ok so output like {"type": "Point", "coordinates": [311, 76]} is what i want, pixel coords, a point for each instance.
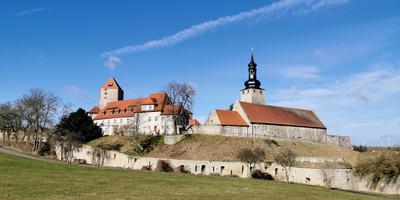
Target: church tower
{"type": "Point", "coordinates": [252, 93]}
{"type": "Point", "coordinates": [110, 92]}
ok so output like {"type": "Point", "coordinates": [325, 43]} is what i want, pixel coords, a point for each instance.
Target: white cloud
{"type": "Point", "coordinates": [274, 10]}
{"type": "Point", "coordinates": [30, 12]}
{"type": "Point", "coordinates": [112, 62]}
{"type": "Point", "coordinates": [373, 85]}
{"type": "Point", "coordinates": [75, 92]}
{"type": "Point", "coordinates": [360, 105]}
{"type": "Point", "coordinates": [301, 72]}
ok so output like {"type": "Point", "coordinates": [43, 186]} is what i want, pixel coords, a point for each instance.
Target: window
{"type": "Point", "coordinates": [105, 97]}
{"type": "Point", "coordinates": [222, 168]}
{"type": "Point", "coordinates": [115, 121]}
{"type": "Point", "coordinates": [203, 168]}
{"type": "Point", "coordinates": [121, 121]}
{"type": "Point", "coordinates": [156, 118]}
{"type": "Point", "coordinates": [105, 89]}
{"type": "Point", "coordinates": [149, 119]}
{"type": "Point", "coordinates": [105, 93]}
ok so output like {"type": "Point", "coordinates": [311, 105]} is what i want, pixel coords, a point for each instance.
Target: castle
{"type": "Point", "coordinates": [249, 117]}
{"type": "Point", "coordinates": [148, 115]}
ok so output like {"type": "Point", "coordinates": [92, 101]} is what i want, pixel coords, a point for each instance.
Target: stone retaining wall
{"type": "Point", "coordinates": [339, 178]}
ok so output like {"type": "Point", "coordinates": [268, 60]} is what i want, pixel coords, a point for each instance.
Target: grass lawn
{"type": "Point", "coordinates": [22, 178]}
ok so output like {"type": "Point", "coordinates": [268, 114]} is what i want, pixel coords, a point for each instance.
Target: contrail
{"type": "Point", "coordinates": [277, 9]}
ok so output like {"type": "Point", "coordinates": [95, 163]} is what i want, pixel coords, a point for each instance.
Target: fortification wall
{"type": "Point", "coordinates": [339, 178]}
{"type": "Point", "coordinates": [274, 131]}
{"type": "Point", "coordinates": [343, 141]}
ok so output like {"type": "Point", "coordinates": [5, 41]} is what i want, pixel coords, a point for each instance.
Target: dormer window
{"type": "Point", "coordinates": [147, 107]}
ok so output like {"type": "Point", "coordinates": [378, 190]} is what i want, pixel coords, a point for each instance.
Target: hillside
{"type": "Point", "coordinates": [204, 147]}
{"type": "Point", "coordinates": [22, 178]}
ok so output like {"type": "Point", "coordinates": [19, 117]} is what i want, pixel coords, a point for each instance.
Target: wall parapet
{"type": "Point", "coordinates": [274, 132]}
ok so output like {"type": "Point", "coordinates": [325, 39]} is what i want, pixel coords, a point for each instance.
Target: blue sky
{"type": "Point", "coordinates": [340, 58]}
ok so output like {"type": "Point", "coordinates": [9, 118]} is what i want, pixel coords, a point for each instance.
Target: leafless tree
{"type": "Point", "coordinates": [40, 111]}
{"type": "Point", "coordinates": [181, 97]}
{"type": "Point", "coordinates": [328, 173]}
{"type": "Point", "coordinates": [251, 157]}
{"type": "Point", "coordinates": [286, 158]}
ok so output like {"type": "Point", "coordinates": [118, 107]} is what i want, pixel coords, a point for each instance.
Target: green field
{"type": "Point", "coordinates": [22, 178]}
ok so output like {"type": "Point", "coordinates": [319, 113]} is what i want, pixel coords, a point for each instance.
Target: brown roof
{"type": "Point", "coordinates": [94, 110]}
{"type": "Point", "coordinates": [230, 118]}
{"type": "Point", "coordinates": [128, 108]}
{"type": "Point", "coordinates": [194, 122]}
{"type": "Point", "coordinates": [111, 84]}
{"type": "Point", "coordinates": [266, 114]}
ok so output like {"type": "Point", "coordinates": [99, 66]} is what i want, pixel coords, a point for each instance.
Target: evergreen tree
{"type": "Point", "coordinates": [78, 126]}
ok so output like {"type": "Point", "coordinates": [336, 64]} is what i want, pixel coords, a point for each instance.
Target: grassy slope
{"type": "Point", "coordinates": [22, 178]}
{"type": "Point", "coordinates": [203, 147]}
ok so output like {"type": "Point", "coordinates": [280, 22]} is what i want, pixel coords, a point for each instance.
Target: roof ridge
{"type": "Point", "coordinates": [279, 106]}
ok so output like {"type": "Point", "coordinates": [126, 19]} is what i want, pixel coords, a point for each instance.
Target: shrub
{"type": "Point", "coordinates": [148, 143]}
{"type": "Point", "coordinates": [360, 148]}
{"type": "Point", "coordinates": [114, 147]}
{"type": "Point", "coordinates": [46, 149]}
{"type": "Point", "coordinates": [271, 142]}
{"type": "Point", "coordinates": [181, 169]}
{"type": "Point", "coordinates": [383, 168]}
{"type": "Point", "coordinates": [163, 166]}
{"type": "Point", "coordinates": [146, 168]}
{"type": "Point", "coordinates": [258, 174]}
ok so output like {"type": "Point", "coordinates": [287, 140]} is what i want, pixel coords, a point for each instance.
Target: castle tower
{"type": "Point", "coordinates": [252, 93]}
{"type": "Point", "coordinates": [110, 92]}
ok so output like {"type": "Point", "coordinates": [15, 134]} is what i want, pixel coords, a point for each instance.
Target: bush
{"type": "Point", "coordinates": [360, 148]}
{"type": "Point", "coordinates": [46, 149]}
{"type": "Point", "coordinates": [163, 166]}
{"type": "Point", "coordinates": [146, 168]}
{"type": "Point", "coordinates": [383, 168]}
{"type": "Point", "coordinates": [181, 169]}
{"type": "Point", "coordinates": [114, 147]}
{"type": "Point", "coordinates": [271, 142]}
{"type": "Point", "coordinates": [147, 144]}
{"type": "Point", "coordinates": [258, 174]}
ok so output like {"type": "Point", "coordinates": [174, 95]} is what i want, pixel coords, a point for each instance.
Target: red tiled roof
{"type": "Point", "coordinates": [194, 122]}
{"type": "Point", "coordinates": [266, 114]}
{"type": "Point", "coordinates": [128, 108]}
{"type": "Point", "coordinates": [94, 110]}
{"type": "Point", "coordinates": [230, 118]}
{"type": "Point", "coordinates": [111, 84]}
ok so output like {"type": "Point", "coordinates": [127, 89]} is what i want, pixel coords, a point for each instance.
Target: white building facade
{"type": "Point", "coordinates": [148, 115]}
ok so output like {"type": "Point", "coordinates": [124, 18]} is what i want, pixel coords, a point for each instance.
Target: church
{"type": "Point", "coordinates": [251, 117]}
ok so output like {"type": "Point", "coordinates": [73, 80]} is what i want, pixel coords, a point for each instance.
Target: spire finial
{"type": "Point", "coordinates": [252, 58]}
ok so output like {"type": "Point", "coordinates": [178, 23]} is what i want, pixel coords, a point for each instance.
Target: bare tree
{"type": "Point", "coordinates": [286, 158]}
{"type": "Point", "coordinates": [181, 98]}
{"type": "Point", "coordinates": [40, 113]}
{"type": "Point", "coordinates": [251, 156]}
{"type": "Point", "coordinates": [328, 173]}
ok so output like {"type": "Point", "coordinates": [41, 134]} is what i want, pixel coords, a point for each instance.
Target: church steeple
{"type": "Point", "coordinates": [252, 82]}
